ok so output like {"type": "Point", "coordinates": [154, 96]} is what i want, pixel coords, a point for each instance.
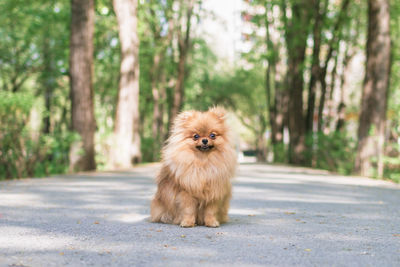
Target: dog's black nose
{"type": "Point", "coordinates": [204, 141]}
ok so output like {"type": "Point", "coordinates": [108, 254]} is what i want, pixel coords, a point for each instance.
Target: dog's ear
{"type": "Point", "coordinates": [184, 116]}
{"type": "Point", "coordinates": [219, 112]}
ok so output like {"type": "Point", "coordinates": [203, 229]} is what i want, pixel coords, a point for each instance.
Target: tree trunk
{"type": "Point", "coordinates": [296, 39]}
{"type": "Point", "coordinates": [274, 85]}
{"type": "Point", "coordinates": [279, 108]}
{"type": "Point", "coordinates": [81, 70]}
{"type": "Point", "coordinates": [163, 109]}
{"type": "Point", "coordinates": [48, 83]}
{"type": "Point", "coordinates": [179, 87]}
{"type": "Point", "coordinates": [183, 45]}
{"type": "Point", "coordinates": [332, 87]}
{"type": "Point", "coordinates": [296, 118]}
{"type": "Point", "coordinates": [281, 99]}
{"type": "Point", "coordinates": [322, 98]}
{"type": "Point", "coordinates": [315, 65]}
{"type": "Point", "coordinates": [157, 113]}
{"type": "Point", "coordinates": [158, 76]}
{"type": "Point", "coordinates": [332, 50]}
{"type": "Point", "coordinates": [344, 79]}
{"type": "Point", "coordinates": [270, 70]}
{"type": "Point", "coordinates": [261, 151]}
{"type": "Point", "coordinates": [341, 114]}
{"type": "Point", "coordinates": [372, 120]}
{"type": "Point", "coordinates": [261, 145]}
{"type": "Point", "coordinates": [126, 148]}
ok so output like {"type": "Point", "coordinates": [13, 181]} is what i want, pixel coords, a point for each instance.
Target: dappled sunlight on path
{"type": "Point", "coordinates": [279, 216]}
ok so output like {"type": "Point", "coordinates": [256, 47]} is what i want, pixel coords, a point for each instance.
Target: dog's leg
{"type": "Point", "coordinates": [157, 210]}
{"type": "Point", "coordinates": [187, 207]}
{"type": "Point", "coordinates": [210, 213]}
{"type": "Point", "coordinates": [223, 210]}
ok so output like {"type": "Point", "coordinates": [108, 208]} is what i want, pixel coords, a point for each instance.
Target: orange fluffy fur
{"type": "Point", "coordinates": [194, 185]}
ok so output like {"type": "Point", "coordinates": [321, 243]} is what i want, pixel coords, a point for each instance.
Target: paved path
{"type": "Point", "coordinates": [280, 216]}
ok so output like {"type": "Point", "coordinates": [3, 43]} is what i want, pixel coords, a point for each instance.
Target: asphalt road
{"type": "Point", "coordinates": [280, 216]}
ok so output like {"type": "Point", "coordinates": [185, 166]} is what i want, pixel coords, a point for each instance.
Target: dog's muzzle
{"type": "Point", "coordinates": [204, 147]}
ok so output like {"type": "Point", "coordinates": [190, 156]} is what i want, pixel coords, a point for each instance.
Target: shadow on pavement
{"type": "Point", "coordinates": [278, 217]}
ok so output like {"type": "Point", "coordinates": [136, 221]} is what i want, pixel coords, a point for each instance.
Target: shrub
{"type": "Point", "coordinates": [280, 153]}
{"type": "Point", "coordinates": [333, 152]}
{"type": "Point", "coordinates": [14, 115]}
{"type": "Point", "coordinates": [150, 150]}
{"type": "Point", "coordinates": [22, 152]}
{"type": "Point", "coordinates": [392, 168]}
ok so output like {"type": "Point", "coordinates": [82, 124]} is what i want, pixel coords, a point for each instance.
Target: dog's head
{"type": "Point", "coordinates": [201, 132]}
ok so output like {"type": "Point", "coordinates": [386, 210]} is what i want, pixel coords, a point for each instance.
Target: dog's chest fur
{"type": "Point", "coordinates": [206, 183]}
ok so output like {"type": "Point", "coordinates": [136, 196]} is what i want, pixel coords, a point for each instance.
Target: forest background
{"type": "Point", "coordinates": [90, 85]}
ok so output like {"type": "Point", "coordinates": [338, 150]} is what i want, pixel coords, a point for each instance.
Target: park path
{"type": "Point", "coordinates": [280, 216]}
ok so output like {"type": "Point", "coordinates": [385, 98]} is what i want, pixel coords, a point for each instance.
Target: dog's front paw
{"type": "Point", "coordinates": [212, 223]}
{"type": "Point", "coordinates": [187, 223]}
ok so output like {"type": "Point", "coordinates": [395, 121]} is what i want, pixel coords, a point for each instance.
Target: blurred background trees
{"type": "Point", "coordinates": [87, 85]}
{"type": "Point", "coordinates": [126, 146]}
{"type": "Point", "coordinates": [80, 74]}
{"type": "Point", "coordinates": [372, 122]}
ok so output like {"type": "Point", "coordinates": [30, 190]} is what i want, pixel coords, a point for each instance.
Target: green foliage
{"type": "Point", "coordinates": [34, 50]}
{"type": "Point", "coordinates": [14, 114]}
{"type": "Point", "coordinates": [392, 168]}
{"type": "Point", "coordinates": [106, 60]}
{"type": "Point", "coordinates": [202, 82]}
{"type": "Point", "coordinates": [333, 152]}
{"type": "Point", "coordinates": [280, 153]}
{"type": "Point", "coordinates": [14, 108]}
{"type": "Point", "coordinates": [148, 149]}
{"type": "Point", "coordinates": [24, 152]}
{"type": "Point", "coordinates": [56, 147]}
{"type": "Point", "coordinates": [36, 157]}
{"type": "Point", "coordinates": [394, 93]}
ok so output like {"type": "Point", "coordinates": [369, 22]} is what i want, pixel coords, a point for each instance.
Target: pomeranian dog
{"type": "Point", "coordinates": [198, 161]}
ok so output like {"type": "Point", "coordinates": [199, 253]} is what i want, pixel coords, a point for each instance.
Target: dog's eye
{"type": "Point", "coordinates": [212, 135]}
{"type": "Point", "coordinates": [196, 136]}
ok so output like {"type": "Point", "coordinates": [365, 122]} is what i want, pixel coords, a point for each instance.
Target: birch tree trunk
{"type": "Point", "coordinates": [126, 149]}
